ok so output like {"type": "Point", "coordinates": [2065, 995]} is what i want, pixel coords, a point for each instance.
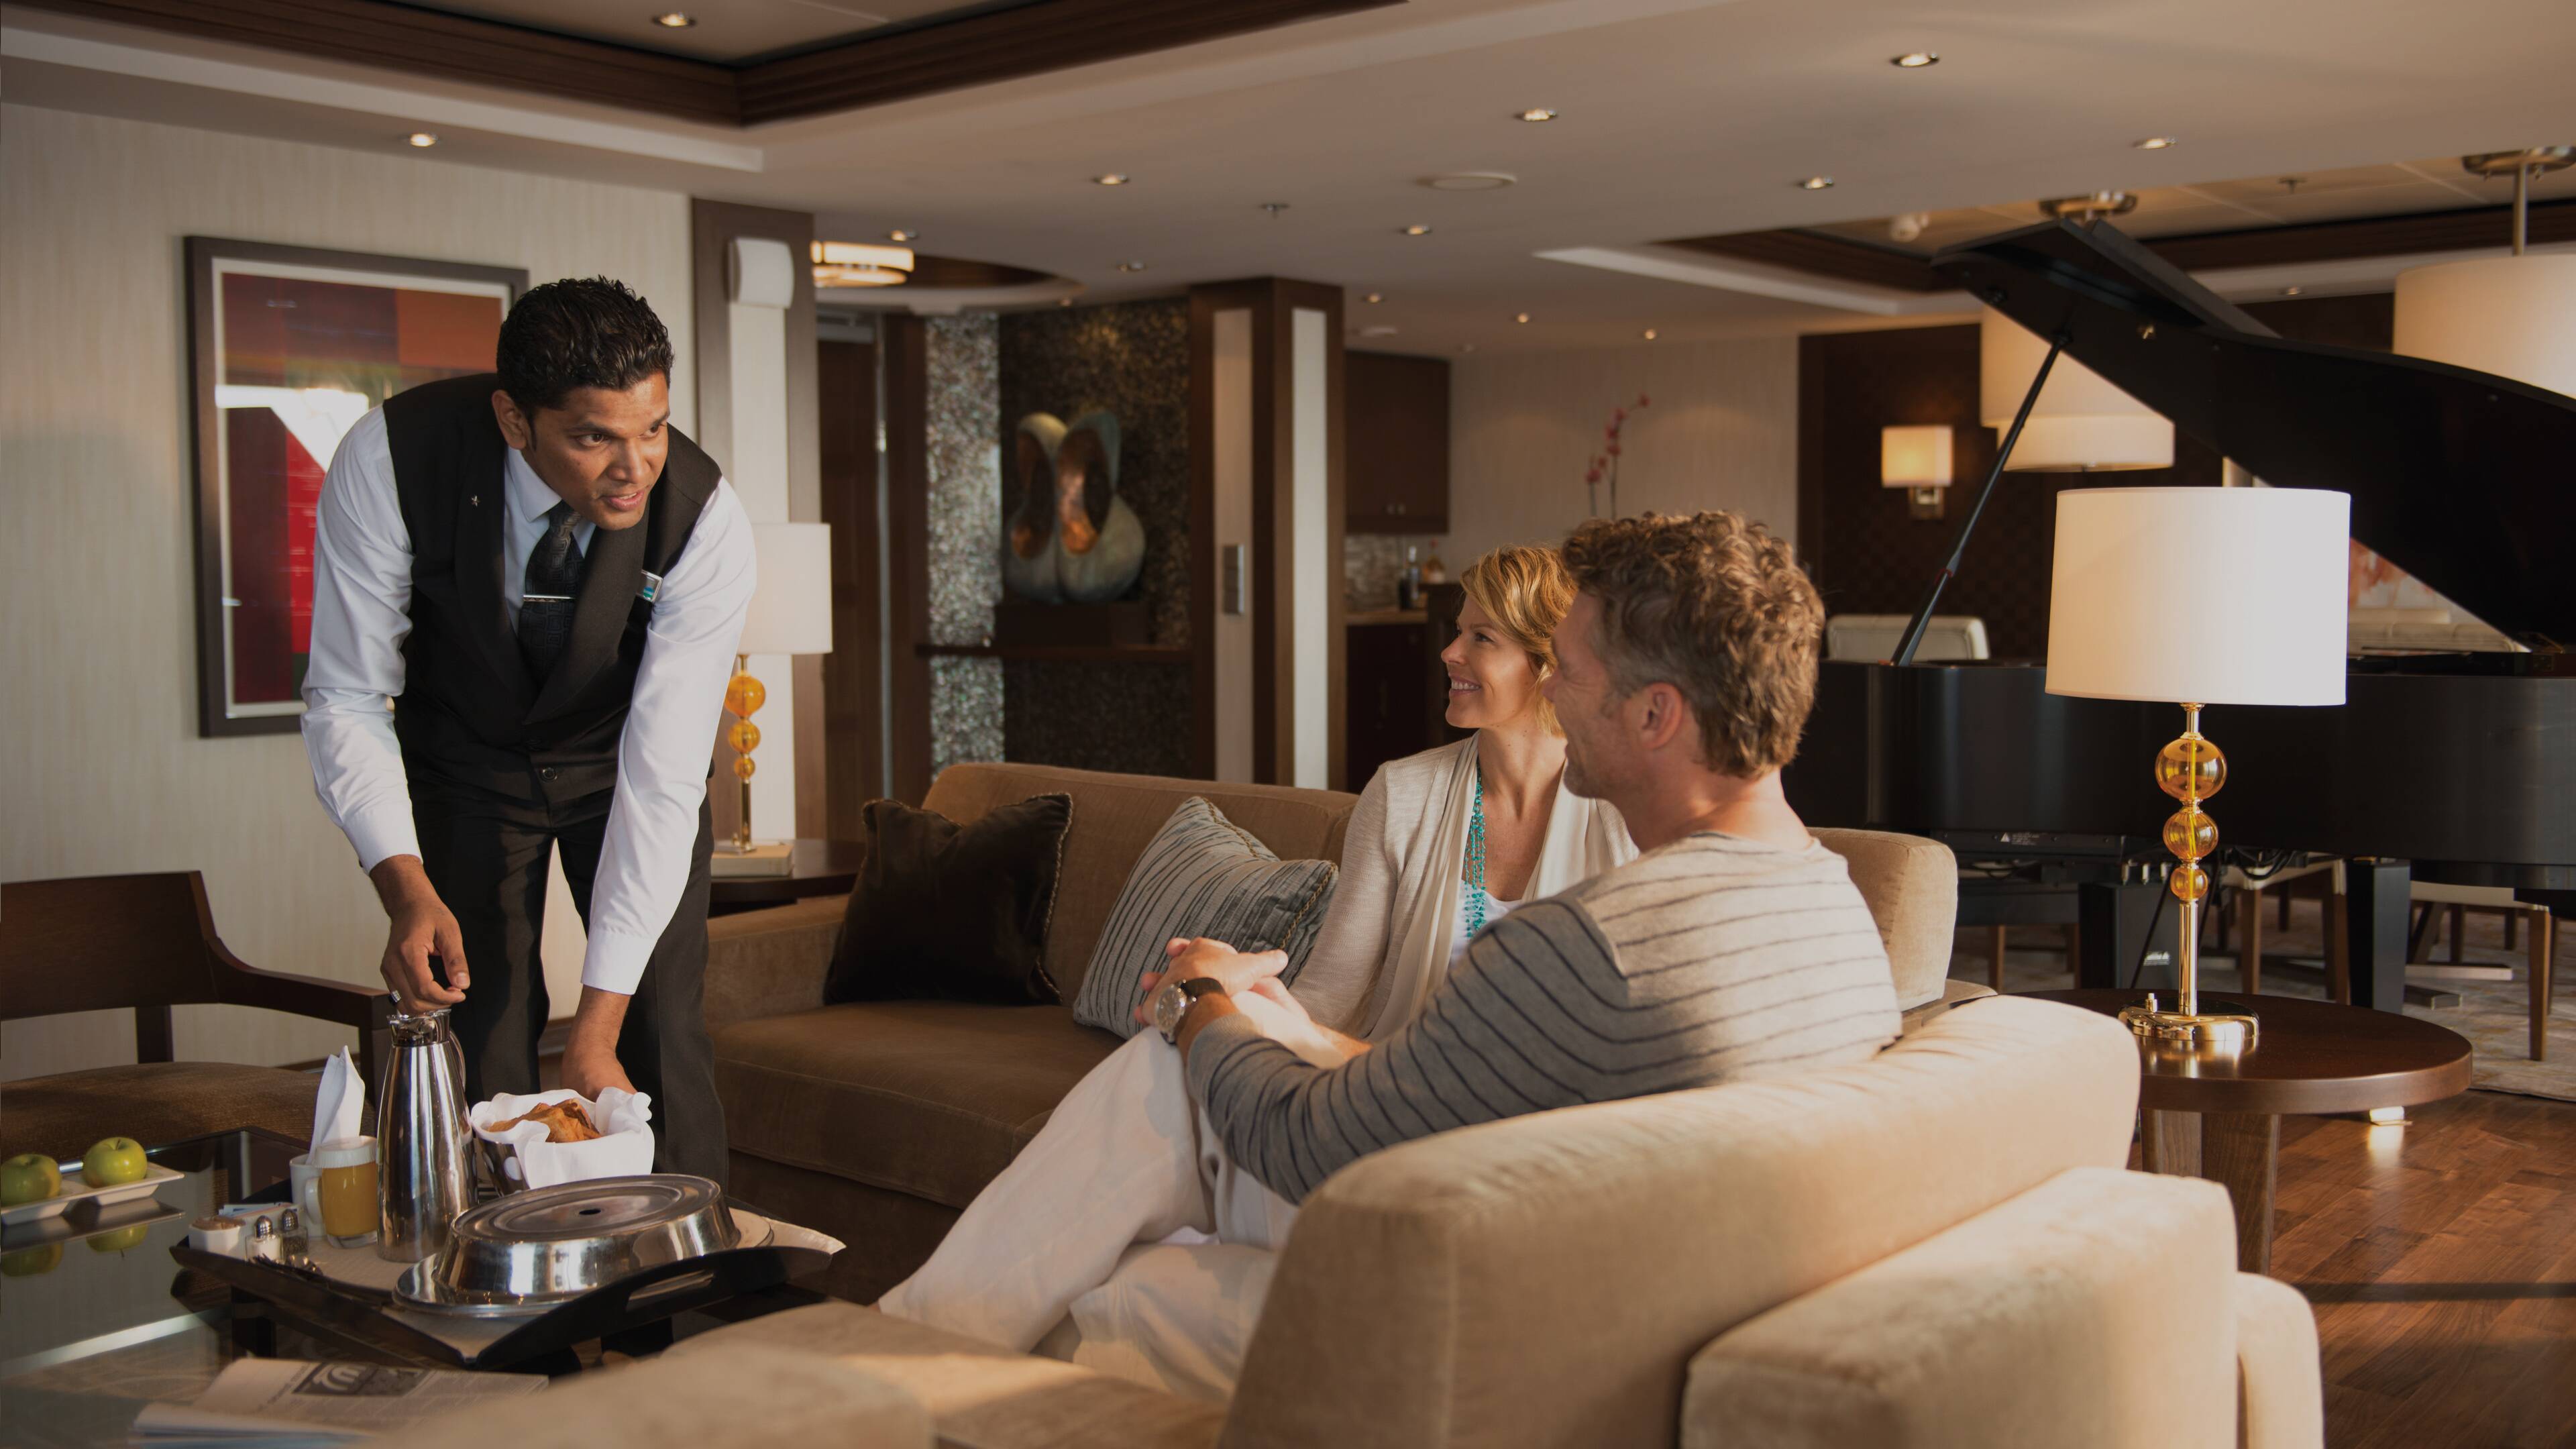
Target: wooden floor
{"type": "Point", "coordinates": [2441, 1259]}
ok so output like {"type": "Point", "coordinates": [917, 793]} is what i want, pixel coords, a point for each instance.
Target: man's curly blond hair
{"type": "Point", "coordinates": [1716, 607]}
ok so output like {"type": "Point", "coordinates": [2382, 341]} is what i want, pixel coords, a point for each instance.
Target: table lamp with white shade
{"type": "Point", "coordinates": [791, 613]}
{"type": "Point", "coordinates": [2140, 574]}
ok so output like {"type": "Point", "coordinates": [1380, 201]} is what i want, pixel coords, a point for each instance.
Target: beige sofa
{"type": "Point", "coordinates": [1936, 1247]}
{"type": "Point", "coordinates": [879, 1121]}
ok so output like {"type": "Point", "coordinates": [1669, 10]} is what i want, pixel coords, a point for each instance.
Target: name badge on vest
{"type": "Point", "coordinates": [652, 587]}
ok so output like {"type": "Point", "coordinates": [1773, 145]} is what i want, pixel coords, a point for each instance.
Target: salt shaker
{"type": "Point", "coordinates": [292, 1237]}
{"type": "Point", "coordinates": [263, 1240]}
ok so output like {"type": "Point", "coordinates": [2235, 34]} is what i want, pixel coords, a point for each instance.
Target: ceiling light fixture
{"type": "Point", "coordinates": [675, 20]}
{"type": "Point", "coordinates": [1376, 296]}
{"type": "Point", "coordinates": [1650, 334]}
{"type": "Point", "coordinates": [2156, 143]}
{"type": "Point", "coordinates": [1380, 329]}
{"type": "Point", "coordinates": [1914, 60]}
{"type": "Point", "coordinates": [1520, 316]}
{"type": "Point", "coordinates": [2292, 291]}
{"type": "Point", "coordinates": [1131, 266]}
{"type": "Point", "coordinates": [1064, 301]}
{"type": "Point", "coordinates": [900, 235]}
{"type": "Point", "coordinates": [1469, 181]}
{"type": "Point", "coordinates": [1110, 178]}
{"type": "Point", "coordinates": [1417, 229]}
{"type": "Point", "coordinates": [1274, 208]}
{"type": "Point", "coordinates": [859, 264]}
{"type": "Point", "coordinates": [1816, 183]}
{"type": "Point", "coordinates": [1466, 347]}
{"type": "Point", "coordinates": [424, 139]}
{"type": "Point", "coordinates": [1538, 113]}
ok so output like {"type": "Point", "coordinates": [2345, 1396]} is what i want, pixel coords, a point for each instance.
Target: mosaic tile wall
{"type": "Point", "coordinates": [1134, 360]}
{"type": "Point", "coordinates": [965, 566]}
{"type": "Point", "coordinates": [1371, 561]}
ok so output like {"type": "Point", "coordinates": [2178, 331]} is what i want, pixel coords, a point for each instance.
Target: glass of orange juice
{"type": "Point", "coordinates": [342, 1195]}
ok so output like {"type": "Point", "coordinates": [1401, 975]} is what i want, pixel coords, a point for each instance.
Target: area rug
{"type": "Point", "coordinates": [2493, 1015]}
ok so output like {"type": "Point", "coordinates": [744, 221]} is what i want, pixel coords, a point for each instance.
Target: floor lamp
{"type": "Point", "coordinates": [2198, 597]}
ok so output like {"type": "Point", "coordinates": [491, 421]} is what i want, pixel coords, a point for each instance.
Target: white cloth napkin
{"type": "Point", "coordinates": [339, 1108]}
{"type": "Point", "coordinates": [624, 1150]}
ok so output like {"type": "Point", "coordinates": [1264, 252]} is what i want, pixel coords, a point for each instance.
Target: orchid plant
{"type": "Point", "coordinates": [1605, 466]}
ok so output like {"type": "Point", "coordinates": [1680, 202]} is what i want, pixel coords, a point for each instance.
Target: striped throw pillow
{"type": "Point", "coordinates": [1201, 875]}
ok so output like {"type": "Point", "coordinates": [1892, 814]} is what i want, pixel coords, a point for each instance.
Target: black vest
{"type": "Point", "coordinates": [470, 713]}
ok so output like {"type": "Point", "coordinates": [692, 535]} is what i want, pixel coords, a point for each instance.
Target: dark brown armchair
{"type": "Point", "coordinates": [148, 942]}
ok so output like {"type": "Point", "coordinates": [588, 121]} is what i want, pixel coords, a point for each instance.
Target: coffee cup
{"type": "Point", "coordinates": [335, 1185]}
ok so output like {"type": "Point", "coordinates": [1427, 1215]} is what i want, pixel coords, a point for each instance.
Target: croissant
{"type": "Point", "coordinates": [564, 1122]}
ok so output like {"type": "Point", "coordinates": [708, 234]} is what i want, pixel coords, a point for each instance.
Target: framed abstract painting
{"type": "Point", "coordinates": [289, 347]}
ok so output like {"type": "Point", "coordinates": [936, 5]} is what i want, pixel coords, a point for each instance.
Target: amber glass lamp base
{"type": "Point", "coordinates": [2191, 770]}
{"type": "Point", "coordinates": [743, 696]}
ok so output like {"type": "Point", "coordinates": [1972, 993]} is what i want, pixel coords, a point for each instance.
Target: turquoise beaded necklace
{"type": "Point", "coordinates": [1476, 858]}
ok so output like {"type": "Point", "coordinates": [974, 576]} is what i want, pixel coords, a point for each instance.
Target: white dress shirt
{"type": "Point", "coordinates": [362, 613]}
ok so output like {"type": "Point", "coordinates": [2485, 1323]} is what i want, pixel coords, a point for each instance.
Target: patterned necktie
{"type": "Point", "coordinates": [553, 581]}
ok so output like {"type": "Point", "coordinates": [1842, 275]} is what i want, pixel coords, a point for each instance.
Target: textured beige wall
{"type": "Point", "coordinates": [101, 767]}
{"type": "Point", "coordinates": [1722, 433]}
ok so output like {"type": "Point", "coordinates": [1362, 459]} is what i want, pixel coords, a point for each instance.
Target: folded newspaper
{"type": "Point", "coordinates": [291, 1405]}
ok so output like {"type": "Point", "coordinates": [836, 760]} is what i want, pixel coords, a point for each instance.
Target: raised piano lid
{"type": "Point", "coordinates": [2464, 479]}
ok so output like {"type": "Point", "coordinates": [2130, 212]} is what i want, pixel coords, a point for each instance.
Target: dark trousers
{"type": "Point", "coordinates": [487, 854]}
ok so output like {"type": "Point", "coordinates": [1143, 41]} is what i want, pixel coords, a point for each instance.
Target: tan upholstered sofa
{"type": "Point", "coordinates": [1934, 1248]}
{"type": "Point", "coordinates": [879, 1121]}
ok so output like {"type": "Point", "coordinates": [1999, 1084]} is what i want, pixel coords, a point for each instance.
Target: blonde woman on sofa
{"type": "Point", "coordinates": [1442, 844]}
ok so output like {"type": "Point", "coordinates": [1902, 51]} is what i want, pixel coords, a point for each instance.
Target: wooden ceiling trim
{"type": "Point", "coordinates": [999, 45]}
{"type": "Point", "coordinates": [867, 70]}
{"type": "Point", "coordinates": [1821, 255]}
{"type": "Point", "coordinates": [452, 47]}
{"type": "Point", "coordinates": [2468, 229]}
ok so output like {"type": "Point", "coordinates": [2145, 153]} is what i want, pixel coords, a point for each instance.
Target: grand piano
{"type": "Point", "coordinates": [2455, 767]}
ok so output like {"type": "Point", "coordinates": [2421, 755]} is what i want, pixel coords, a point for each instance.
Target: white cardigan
{"type": "Point", "coordinates": [1386, 941]}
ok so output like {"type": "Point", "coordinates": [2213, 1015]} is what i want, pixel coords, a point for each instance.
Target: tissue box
{"type": "Point", "coordinates": [522, 1157]}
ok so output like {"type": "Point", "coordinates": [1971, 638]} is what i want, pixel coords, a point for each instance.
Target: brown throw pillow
{"type": "Point", "coordinates": [953, 912]}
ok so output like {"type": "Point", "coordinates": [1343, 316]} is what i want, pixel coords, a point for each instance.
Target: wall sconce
{"type": "Point", "coordinates": [1917, 460]}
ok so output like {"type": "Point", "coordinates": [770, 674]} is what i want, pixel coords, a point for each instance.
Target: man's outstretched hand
{"type": "Point", "coordinates": [422, 928]}
{"type": "Point", "coordinates": [590, 1052]}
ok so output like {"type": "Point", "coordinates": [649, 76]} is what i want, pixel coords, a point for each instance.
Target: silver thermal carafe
{"type": "Point", "coordinates": [422, 1139]}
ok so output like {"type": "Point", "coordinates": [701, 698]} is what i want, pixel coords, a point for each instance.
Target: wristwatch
{"type": "Point", "coordinates": [1175, 999]}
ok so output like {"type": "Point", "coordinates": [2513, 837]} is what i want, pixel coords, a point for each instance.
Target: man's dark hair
{"type": "Point", "coordinates": [579, 332]}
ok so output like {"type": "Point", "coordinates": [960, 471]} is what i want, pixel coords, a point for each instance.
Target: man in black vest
{"type": "Point", "coordinates": [548, 581]}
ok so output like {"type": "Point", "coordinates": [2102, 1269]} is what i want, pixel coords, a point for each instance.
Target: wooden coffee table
{"type": "Point", "coordinates": [2220, 1117]}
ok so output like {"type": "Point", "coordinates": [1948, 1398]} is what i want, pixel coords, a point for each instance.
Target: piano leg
{"type": "Point", "coordinates": [2112, 925]}
{"type": "Point", "coordinates": [2375, 931]}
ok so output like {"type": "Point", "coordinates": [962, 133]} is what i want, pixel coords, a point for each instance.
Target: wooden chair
{"type": "Point", "coordinates": [148, 942]}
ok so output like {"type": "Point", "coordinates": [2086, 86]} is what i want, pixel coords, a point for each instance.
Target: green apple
{"type": "Point", "coordinates": [28, 1262]}
{"type": "Point", "coordinates": [111, 1161]}
{"type": "Point", "coordinates": [29, 1177]}
{"type": "Point", "coordinates": [118, 1241]}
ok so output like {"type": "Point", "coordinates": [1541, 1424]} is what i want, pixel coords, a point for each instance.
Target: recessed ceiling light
{"type": "Point", "coordinates": [2292, 291]}
{"type": "Point", "coordinates": [1520, 316]}
{"type": "Point", "coordinates": [1914, 60]}
{"type": "Point", "coordinates": [1466, 347]}
{"type": "Point", "coordinates": [1470, 181]}
{"type": "Point", "coordinates": [1380, 329]}
{"type": "Point", "coordinates": [901, 235]}
{"type": "Point", "coordinates": [675, 20]}
{"type": "Point", "coordinates": [1417, 229]}
{"type": "Point", "coordinates": [1131, 266]}
{"type": "Point", "coordinates": [1110, 178]}
{"type": "Point", "coordinates": [1064, 301]}
{"type": "Point", "coordinates": [1376, 297]}
{"type": "Point", "coordinates": [423, 139]}
{"type": "Point", "coordinates": [1815, 183]}
{"type": "Point", "coordinates": [1538, 113]}
{"type": "Point", "coordinates": [1650, 334]}
{"type": "Point", "coordinates": [2155, 143]}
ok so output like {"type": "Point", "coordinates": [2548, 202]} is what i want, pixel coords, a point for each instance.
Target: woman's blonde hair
{"type": "Point", "coordinates": [1525, 590]}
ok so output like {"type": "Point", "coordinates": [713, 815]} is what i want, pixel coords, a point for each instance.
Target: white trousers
{"type": "Point", "coordinates": [1122, 1162]}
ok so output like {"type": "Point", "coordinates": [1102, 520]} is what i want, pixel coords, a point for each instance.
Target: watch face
{"type": "Point", "coordinates": [1171, 1003]}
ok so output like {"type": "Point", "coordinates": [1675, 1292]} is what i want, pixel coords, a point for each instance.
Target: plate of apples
{"type": "Point", "coordinates": [34, 1187]}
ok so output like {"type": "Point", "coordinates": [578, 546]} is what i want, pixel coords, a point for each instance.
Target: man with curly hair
{"type": "Point", "coordinates": [1736, 946]}
{"type": "Point", "coordinates": [546, 580]}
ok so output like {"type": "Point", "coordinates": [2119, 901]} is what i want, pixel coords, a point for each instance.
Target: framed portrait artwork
{"type": "Point", "coordinates": [289, 347]}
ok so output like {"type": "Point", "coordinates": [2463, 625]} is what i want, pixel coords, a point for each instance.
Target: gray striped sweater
{"type": "Point", "coordinates": [1711, 959]}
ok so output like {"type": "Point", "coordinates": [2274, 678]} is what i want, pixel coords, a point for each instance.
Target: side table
{"type": "Point", "coordinates": [2219, 1117]}
{"type": "Point", "coordinates": [815, 868]}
